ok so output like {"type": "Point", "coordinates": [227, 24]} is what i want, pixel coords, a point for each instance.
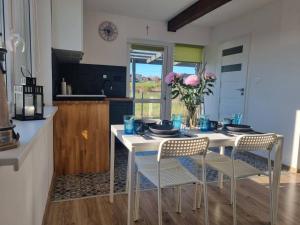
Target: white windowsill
{"type": "Point", "coordinates": [28, 131]}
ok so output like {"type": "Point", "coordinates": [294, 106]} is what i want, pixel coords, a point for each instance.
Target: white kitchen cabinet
{"type": "Point", "coordinates": [67, 24]}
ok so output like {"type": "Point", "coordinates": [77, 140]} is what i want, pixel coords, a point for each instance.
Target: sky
{"type": "Point", "coordinates": [155, 70]}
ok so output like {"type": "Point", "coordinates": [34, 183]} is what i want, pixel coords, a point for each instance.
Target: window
{"type": "Point", "coordinates": [187, 60]}
{"type": "Point", "coordinates": [22, 33]}
{"type": "Point", "coordinates": [147, 70]}
{"type": "Point", "coordinates": [15, 18]}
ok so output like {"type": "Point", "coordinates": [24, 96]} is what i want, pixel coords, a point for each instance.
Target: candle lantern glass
{"type": "Point", "coordinates": [29, 102]}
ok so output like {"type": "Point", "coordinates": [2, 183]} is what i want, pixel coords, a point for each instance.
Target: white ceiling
{"type": "Point", "coordinates": [229, 11]}
{"type": "Point", "coordinates": [163, 10]}
{"type": "Point", "coordinates": [160, 10]}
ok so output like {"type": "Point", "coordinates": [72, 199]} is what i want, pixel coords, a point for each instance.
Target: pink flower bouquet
{"type": "Point", "coordinates": [191, 88]}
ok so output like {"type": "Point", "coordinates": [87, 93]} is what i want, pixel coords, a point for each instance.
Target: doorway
{"type": "Point", "coordinates": [233, 77]}
{"type": "Point", "coordinates": [148, 65]}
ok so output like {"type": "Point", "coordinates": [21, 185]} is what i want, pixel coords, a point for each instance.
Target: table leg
{"type": "Point", "coordinates": [127, 174]}
{"type": "Point", "coordinates": [276, 179]}
{"type": "Point", "coordinates": [220, 175]}
{"type": "Point", "coordinates": [112, 167]}
{"type": "Point", "coordinates": [131, 175]}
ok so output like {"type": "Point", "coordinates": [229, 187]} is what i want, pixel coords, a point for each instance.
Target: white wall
{"type": "Point", "coordinates": [274, 70]}
{"type": "Point", "coordinates": [98, 51]}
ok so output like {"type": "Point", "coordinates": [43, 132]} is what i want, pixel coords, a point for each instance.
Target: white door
{"type": "Point", "coordinates": [148, 67]}
{"type": "Point", "coordinates": [233, 77]}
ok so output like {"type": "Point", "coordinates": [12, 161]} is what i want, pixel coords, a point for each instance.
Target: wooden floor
{"type": "Point", "coordinates": [252, 207]}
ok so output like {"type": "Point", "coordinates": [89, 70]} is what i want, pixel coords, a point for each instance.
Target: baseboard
{"type": "Point", "coordinates": [294, 170]}
{"type": "Point", "coordinates": [48, 200]}
{"type": "Point", "coordinates": [285, 167]}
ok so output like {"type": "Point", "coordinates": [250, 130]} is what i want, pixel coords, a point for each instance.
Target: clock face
{"type": "Point", "coordinates": [108, 31]}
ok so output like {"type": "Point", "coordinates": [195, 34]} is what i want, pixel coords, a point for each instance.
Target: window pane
{"type": "Point", "coordinates": [177, 106]}
{"type": "Point", "coordinates": [22, 30]}
{"type": "Point", "coordinates": [147, 110]}
{"type": "Point", "coordinates": [146, 72]}
{"type": "Point", "coordinates": [148, 89]}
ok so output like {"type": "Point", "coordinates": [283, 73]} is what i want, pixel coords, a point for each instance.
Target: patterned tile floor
{"type": "Point", "coordinates": [92, 184]}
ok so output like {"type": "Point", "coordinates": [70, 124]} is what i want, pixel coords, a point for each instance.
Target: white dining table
{"type": "Point", "coordinates": [137, 143]}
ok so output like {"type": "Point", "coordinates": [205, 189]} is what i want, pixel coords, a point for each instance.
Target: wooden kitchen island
{"type": "Point", "coordinates": [81, 137]}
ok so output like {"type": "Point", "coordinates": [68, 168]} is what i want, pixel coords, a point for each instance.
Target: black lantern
{"type": "Point", "coordinates": [29, 100]}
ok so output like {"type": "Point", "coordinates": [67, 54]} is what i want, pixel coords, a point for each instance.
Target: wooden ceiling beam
{"type": "Point", "coordinates": [195, 11]}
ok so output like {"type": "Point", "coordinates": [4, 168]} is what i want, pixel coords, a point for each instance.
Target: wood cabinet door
{"type": "Point", "coordinates": [81, 138]}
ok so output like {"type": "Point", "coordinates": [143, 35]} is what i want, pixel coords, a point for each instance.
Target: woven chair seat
{"type": "Point", "coordinates": [212, 157]}
{"type": "Point", "coordinates": [242, 169]}
{"type": "Point", "coordinates": [172, 173]}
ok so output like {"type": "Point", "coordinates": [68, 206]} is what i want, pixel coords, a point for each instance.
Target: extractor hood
{"type": "Point", "coordinates": [68, 56]}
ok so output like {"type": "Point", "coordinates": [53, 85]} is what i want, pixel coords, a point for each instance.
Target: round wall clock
{"type": "Point", "coordinates": [108, 31]}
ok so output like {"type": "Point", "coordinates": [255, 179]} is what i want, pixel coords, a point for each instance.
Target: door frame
{"type": "Point", "coordinates": [165, 112]}
{"type": "Point", "coordinates": [247, 43]}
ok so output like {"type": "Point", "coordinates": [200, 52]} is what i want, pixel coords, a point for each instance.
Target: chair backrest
{"type": "Point", "coordinates": [183, 147]}
{"type": "Point", "coordinates": [256, 142]}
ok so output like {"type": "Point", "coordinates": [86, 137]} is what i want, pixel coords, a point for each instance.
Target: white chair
{"type": "Point", "coordinates": [164, 170]}
{"type": "Point", "coordinates": [237, 169]}
{"type": "Point", "coordinates": [210, 157]}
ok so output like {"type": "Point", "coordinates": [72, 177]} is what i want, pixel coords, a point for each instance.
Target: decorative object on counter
{"type": "Point", "coordinates": [8, 138]}
{"type": "Point", "coordinates": [106, 85]}
{"type": "Point", "coordinates": [129, 124]}
{"type": "Point", "coordinates": [29, 99]}
{"type": "Point", "coordinates": [191, 90]}
{"type": "Point", "coordinates": [69, 89]}
{"type": "Point", "coordinates": [63, 87]}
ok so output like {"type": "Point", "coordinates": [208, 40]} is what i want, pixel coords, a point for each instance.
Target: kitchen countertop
{"type": "Point", "coordinates": [120, 99]}
{"type": "Point", "coordinates": [28, 131]}
{"type": "Point", "coordinates": [93, 101]}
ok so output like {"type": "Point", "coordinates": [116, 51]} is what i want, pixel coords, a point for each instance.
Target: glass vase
{"type": "Point", "coordinates": [193, 115]}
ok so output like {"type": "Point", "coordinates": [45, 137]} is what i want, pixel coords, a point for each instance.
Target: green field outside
{"type": "Point", "coordinates": [152, 90]}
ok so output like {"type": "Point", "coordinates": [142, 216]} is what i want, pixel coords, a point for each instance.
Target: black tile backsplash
{"type": "Point", "coordinates": [88, 78]}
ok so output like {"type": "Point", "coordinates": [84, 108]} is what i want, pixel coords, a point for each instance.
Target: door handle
{"type": "Point", "coordinates": [242, 90]}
